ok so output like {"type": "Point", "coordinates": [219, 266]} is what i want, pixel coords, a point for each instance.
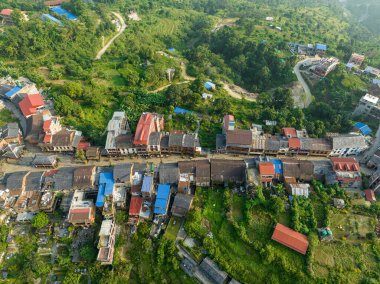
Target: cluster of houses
{"type": "Point", "coordinates": [6, 17]}
{"type": "Point", "coordinates": [308, 49]}
{"type": "Point", "coordinates": [290, 142]}
{"type": "Point", "coordinates": [41, 128]}
{"type": "Point", "coordinates": [149, 138]}
{"type": "Point", "coordinates": [355, 62]}
{"type": "Point", "coordinates": [155, 193]}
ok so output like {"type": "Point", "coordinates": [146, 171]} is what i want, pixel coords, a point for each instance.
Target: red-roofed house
{"type": "Point", "coordinates": [82, 212]}
{"type": "Point", "coordinates": [370, 195]}
{"type": "Point", "coordinates": [31, 104]}
{"type": "Point", "coordinates": [290, 238]}
{"type": "Point", "coordinates": [347, 171]}
{"type": "Point", "coordinates": [289, 132]}
{"type": "Point", "coordinates": [6, 12]}
{"type": "Point", "coordinates": [134, 209]}
{"type": "Point", "coordinates": [294, 144]}
{"type": "Point", "coordinates": [267, 173]}
{"type": "Point", "coordinates": [148, 123]}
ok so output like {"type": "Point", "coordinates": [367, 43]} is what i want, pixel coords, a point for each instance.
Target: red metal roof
{"type": "Point", "coordinates": [47, 138]}
{"type": "Point", "coordinates": [345, 164]}
{"type": "Point", "coordinates": [143, 129]}
{"type": "Point", "coordinates": [83, 145]}
{"type": "Point", "coordinates": [294, 143]}
{"type": "Point", "coordinates": [289, 132]}
{"type": "Point", "coordinates": [290, 238]}
{"type": "Point", "coordinates": [30, 104]}
{"type": "Point", "coordinates": [370, 195]}
{"type": "Point", "coordinates": [266, 168]}
{"type": "Point", "coordinates": [135, 206]}
{"type": "Point", "coordinates": [6, 12]}
{"type": "Point", "coordinates": [47, 124]}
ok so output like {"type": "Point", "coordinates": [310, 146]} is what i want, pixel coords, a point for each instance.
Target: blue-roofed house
{"type": "Point", "coordinates": [210, 85]}
{"type": "Point", "coordinates": [277, 168]}
{"type": "Point", "coordinates": [63, 12]}
{"type": "Point", "coordinates": [106, 186]}
{"type": "Point", "coordinates": [320, 48]}
{"type": "Point", "coordinates": [47, 17]}
{"type": "Point", "coordinates": [162, 199]}
{"type": "Point", "coordinates": [376, 81]}
{"type": "Point", "coordinates": [171, 49]}
{"type": "Point", "coordinates": [362, 128]}
{"type": "Point", "coordinates": [147, 186]}
{"type": "Point", "coordinates": [178, 110]}
{"type": "Point", "coordinates": [11, 93]}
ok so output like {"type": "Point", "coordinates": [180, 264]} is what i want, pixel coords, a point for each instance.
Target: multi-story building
{"type": "Point", "coordinates": [106, 242]}
{"type": "Point", "coordinates": [82, 211]}
{"type": "Point", "coordinates": [119, 140]}
{"type": "Point", "coordinates": [369, 105]}
{"type": "Point", "coordinates": [348, 145]}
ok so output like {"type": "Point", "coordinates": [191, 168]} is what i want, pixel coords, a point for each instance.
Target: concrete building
{"type": "Point", "coordinates": [106, 242]}
{"type": "Point", "coordinates": [369, 105]}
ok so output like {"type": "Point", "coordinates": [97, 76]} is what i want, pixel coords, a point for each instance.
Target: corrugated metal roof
{"type": "Point", "coordinates": [147, 184]}
{"type": "Point", "coordinates": [106, 185]}
{"type": "Point", "coordinates": [162, 199]}
{"type": "Point", "coordinates": [13, 91]}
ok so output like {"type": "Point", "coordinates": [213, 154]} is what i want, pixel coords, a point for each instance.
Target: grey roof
{"type": "Point", "coordinates": [175, 140]}
{"type": "Point", "coordinates": [227, 171]}
{"type": "Point", "coordinates": [187, 167]}
{"type": "Point", "coordinates": [122, 172]}
{"type": "Point", "coordinates": [168, 173]}
{"type": "Point", "coordinates": [124, 141]}
{"type": "Point", "coordinates": [181, 204]}
{"type": "Point", "coordinates": [272, 144]}
{"type": "Point", "coordinates": [34, 126]}
{"type": "Point", "coordinates": [155, 138]}
{"type": "Point", "coordinates": [211, 269]}
{"type": "Point", "coordinates": [220, 141]}
{"type": "Point", "coordinates": [10, 130]}
{"type": "Point", "coordinates": [15, 180]}
{"type": "Point", "coordinates": [202, 171]}
{"type": "Point", "coordinates": [147, 184]}
{"type": "Point", "coordinates": [191, 141]}
{"type": "Point", "coordinates": [45, 160]}
{"type": "Point", "coordinates": [13, 151]}
{"type": "Point", "coordinates": [63, 179]}
{"type": "Point", "coordinates": [299, 169]}
{"type": "Point", "coordinates": [348, 141]}
{"type": "Point", "coordinates": [322, 168]}
{"type": "Point", "coordinates": [164, 141]}
{"type": "Point", "coordinates": [315, 144]}
{"type": "Point", "coordinates": [33, 181]}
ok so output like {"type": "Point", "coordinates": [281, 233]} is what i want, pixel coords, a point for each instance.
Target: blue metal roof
{"type": "Point", "coordinates": [209, 85]}
{"type": "Point", "coordinates": [147, 184]}
{"type": "Point", "coordinates": [10, 93]}
{"type": "Point", "coordinates": [321, 46]}
{"type": "Point", "coordinates": [376, 81]}
{"type": "Point", "coordinates": [179, 110]}
{"type": "Point", "coordinates": [363, 128]}
{"type": "Point", "coordinates": [162, 199]}
{"type": "Point", "coordinates": [171, 49]}
{"type": "Point", "coordinates": [106, 185]}
{"type": "Point", "coordinates": [63, 12]}
{"type": "Point", "coordinates": [277, 166]}
{"type": "Point", "coordinates": [51, 18]}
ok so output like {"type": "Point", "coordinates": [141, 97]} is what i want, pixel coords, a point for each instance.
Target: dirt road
{"type": "Point", "coordinates": [309, 97]}
{"type": "Point", "coordinates": [123, 26]}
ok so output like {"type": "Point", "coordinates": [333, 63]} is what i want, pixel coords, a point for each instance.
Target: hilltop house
{"type": "Point", "coordinates": [31, 104]}
{"type": "Point", "coordinates": [290, 238]}
{"type": "Point", "coordinates": [369, 105]}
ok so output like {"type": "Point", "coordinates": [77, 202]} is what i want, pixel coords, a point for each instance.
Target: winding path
{"type": "Point", "coordinates": [121, 30]}
{"type": "Point", "coordinates": [309, 96]}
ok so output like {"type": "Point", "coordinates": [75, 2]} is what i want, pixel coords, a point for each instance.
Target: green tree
{"type": "Point", "coordinates": [40, 220]}
{"type": "Point", "coordinates": [88, 252]}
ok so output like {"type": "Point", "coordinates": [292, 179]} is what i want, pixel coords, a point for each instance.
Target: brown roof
{"type": "Point", "coordinates": [181, 204]}
{"type": "Point", "coordinates": [300, 169]}
{"type": "Point", "coordinates": [370, 195]}
{"type": "Point", "coordinates": [82, 215]}
{"type": "Point", "coordinates": [92, 152]}
{"type": "Point", "coordinates": [63, 138]}
{"type": "Point", "coordinates": [84, 176]}
{"type": "Point", "coordinates": [202, 171]}
{"type": "Point", "coordinates": [187, 167]}
{"type": "Point", "coordinates": [290, 238]}
{"type": "Point", "coordinates": [227, 171]}
{"type": "Point", "coordinates": [239, 137]}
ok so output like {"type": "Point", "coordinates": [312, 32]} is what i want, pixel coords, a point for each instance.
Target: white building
{"type": "Point", "coordinates": [368, 105]}
{"type": "Point", "coordinates": [299, 189]}
{"type": "Point", "coordinates": [348, 145]}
